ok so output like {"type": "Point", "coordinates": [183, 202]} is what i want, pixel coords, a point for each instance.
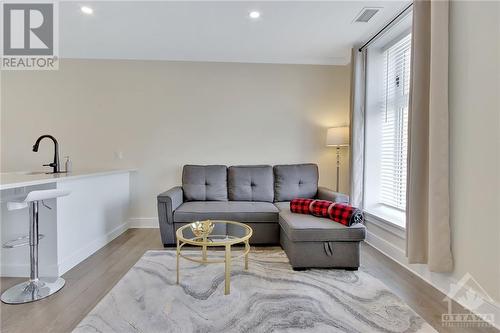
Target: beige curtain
{"type": "Point", "coordinates": [427, 212]}
{"type": "Point", "coordinates": [357, 126]}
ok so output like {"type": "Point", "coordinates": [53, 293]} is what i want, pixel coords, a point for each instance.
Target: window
{"type": "Point", "coordinates": [394, 125]}
{"type": "Point", "coordinates": [386, 127]}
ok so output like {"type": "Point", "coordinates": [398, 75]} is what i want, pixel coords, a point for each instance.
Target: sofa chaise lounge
{"type": "Point", "coordinates": [260, 195]}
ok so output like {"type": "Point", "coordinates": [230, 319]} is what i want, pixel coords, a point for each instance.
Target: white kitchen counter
{"type": "Point", "coordinates": [93, 214]}
{"type": "Point", "coordinates": [21, 179]}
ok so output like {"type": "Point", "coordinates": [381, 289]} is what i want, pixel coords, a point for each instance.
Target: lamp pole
{"type": "Point", "coordinates": [338, 168]}
{"type": "Point", "coordinates": [337, 137]}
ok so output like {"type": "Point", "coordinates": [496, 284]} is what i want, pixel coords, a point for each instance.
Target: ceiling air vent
{"type": "Point", "coordinates": [366, 15]}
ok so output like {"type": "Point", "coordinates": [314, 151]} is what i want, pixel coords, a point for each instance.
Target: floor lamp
{"type": "Point", "coordinates": [337, 137]}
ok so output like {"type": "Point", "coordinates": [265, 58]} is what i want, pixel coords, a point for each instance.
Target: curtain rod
{"type": "Point", "coordinates": [385, 27]}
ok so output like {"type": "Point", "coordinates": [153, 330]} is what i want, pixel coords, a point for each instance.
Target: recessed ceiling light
{"type": "Point", "coordinates": [254, 14]}
{"type": "Point", "coordinates": [86, 10]}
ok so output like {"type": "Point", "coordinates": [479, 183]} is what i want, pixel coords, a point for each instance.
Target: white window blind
{"type": "Point", "coordinates": [394, 127]}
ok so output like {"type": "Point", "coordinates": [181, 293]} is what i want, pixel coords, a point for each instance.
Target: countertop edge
{"type": "Point", "coordinates": [82, 174]}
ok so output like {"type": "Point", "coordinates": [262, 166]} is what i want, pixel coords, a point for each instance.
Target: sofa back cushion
{"type": "Point", "coordinates": [295, 181]}
{"type": "Point", "coordinates": [204, 182]}
{"type": "Point", "coordinates": [250, 183]}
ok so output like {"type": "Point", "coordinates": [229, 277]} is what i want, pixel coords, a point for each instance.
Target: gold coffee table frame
{"type": "Point", "coordinates": [220, 241]}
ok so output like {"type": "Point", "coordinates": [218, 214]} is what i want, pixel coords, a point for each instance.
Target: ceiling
{"type": "Point", "coordinates": [287, 32]}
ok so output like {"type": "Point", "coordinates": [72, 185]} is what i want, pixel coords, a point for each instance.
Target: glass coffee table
{"type": "Point", "coordinates": [217, 234]}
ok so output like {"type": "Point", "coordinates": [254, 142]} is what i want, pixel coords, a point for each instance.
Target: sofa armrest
{"type": "Point", "coordinates": [168, 202]}
{"type": "Point", "coordinates": [325, 193]}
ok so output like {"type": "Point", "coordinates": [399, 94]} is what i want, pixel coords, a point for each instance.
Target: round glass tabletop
{"type": "Point", "coordinates": [214, 233]}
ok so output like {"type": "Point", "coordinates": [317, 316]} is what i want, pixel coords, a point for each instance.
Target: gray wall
{"type": "Point", "coordinates": [161, 115]}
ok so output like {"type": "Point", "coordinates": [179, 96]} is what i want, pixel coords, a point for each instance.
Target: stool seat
{"type": "Point", "coordinates": [35, 288]}
{"type": "Point", "coordinates": [21, 202]}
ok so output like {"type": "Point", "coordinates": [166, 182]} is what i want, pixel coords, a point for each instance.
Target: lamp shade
{"type": "Point", "coordinates": [337, 136]}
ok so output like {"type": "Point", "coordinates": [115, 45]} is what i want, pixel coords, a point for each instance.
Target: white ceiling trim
{"type": "Point", "coordinates": [340, 61]}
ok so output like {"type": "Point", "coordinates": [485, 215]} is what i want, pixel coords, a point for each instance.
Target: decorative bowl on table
{"type": "Point", "coordinates": [202, 228]}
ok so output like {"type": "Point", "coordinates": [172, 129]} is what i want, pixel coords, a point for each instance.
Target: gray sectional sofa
{"type": "Point", "coordinates": [259, 195]}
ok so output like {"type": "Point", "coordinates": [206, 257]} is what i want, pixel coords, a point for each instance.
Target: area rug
{"type": "Point", "coordinates": [269, 297]}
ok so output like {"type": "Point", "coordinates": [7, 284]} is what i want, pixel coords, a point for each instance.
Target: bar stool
{"type": "Point", "coordinates": [35, 288]}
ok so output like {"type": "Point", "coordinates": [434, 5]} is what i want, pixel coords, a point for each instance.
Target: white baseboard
{"type": "Point", "coordinates": [440, 281]}
{"type": "Point", "coordinates": [81, 254]}
{"type": "Point", "coordinates": [143, 222]}
{"type": "Point", "coordinates": [387, 248]}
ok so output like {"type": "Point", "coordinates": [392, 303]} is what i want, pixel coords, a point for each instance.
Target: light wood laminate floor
{"type": "Point", "coordinates": [89, 281]}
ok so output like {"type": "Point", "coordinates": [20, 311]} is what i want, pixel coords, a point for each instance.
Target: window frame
{"type": "Point", "coordinates": [377, 213]}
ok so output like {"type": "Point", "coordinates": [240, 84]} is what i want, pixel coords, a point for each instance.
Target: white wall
{"type": "Point", "coordinates": [475, 140]}
{"type": "Point", "coordinates": [162, 115]}
{"type": "Point", "coordinates": [474, 74]}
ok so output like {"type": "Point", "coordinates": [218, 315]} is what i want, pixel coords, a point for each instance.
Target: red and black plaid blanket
{"type": "Point", "coordinates": [345, 214]}
{"type": "Point", "coordinates": [320, 208]}
{"type": "Point", "coordinates": [339, 212]}
{"type": "Point", "coordinates": [301, 205]}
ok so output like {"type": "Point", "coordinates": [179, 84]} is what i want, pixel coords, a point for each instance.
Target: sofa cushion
{"type": "Point", "coordinates": [242, 211]}
{"type": "Point", "coordinates": [204, 182]}
{"type": "Point", "coordinates": [250, 183]}
{"type": "Point", "coordinates": [308, 228]}
{"type": "Point", "coordinates": [295, 181]}
{"type": "Point", "coordinates": [282, 205]}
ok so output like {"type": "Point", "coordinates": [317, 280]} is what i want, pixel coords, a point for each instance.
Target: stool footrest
{"type": "Point", "coordinates": [20, 241]}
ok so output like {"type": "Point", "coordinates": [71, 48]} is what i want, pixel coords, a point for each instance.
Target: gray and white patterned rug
{"type": "Point", "coordinates": [269, 297]}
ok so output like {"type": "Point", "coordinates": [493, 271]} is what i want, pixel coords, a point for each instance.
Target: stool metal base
{"type": "Point", "coordinates": [31, 291]}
